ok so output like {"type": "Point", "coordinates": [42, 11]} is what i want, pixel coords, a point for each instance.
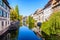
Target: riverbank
{"type": "Point", "coordinates": [14, 25]}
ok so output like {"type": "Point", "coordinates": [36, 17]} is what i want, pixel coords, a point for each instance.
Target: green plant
{"type": "Point", "coordinates": [52, 26]}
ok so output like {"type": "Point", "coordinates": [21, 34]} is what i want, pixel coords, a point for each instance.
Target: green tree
{"type": "Point", "coordinates": [21, 20]}
{"type": "Point", "coordinates": [31, 22]}
{"type": "Point", "coordinates": [17, 10]}
{"type": "Point", "coordinates": [27, 21]}
{"type": "Point", "coordinates": [13, 14]}
{"type": "Point", "coordinates": [52, 26]}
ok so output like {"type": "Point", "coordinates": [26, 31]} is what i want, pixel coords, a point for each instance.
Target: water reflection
{"type": "Point", "coordinates": [14, 35]}
{"type": "Point", "coordinates": [26, 34]}
{"type": "Point", "coordinates": [5, 37]}
{"type": "Point", "coordinates": [23, 33]}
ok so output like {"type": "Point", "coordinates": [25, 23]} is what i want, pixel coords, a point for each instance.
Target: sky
{"type": "Point", "coordinates": [28, 7]}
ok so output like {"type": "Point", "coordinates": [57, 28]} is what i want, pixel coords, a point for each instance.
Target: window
{"type": "Point", "coordinates": [2, 4]}
{"type": "Point", "coordinates": [6, 14]}
{"type": "Point", "coordinates": [6, 23]}
{"type": "Point", "coordinates": [8, 9]}
{"type": "Point", "coordinates": [0, 12]}
{"type": "Point", "coordinates": [5, 6]}
{"type": "Point", "coordinates": [2, 23]}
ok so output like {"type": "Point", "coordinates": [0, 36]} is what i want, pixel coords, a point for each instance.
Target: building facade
{"type": "Point", "coordinates": [4, 15]}
{"type": "Point", "coordinates": [38, 15]}
{"type": "Point", "coordinates": [24, 20]}
{"type": "Point", "coordinates": [48, 10]}
{"type": "Point", "coordinates": [51, 6]}
{"type": "Point", "coordinates": [42, 15]}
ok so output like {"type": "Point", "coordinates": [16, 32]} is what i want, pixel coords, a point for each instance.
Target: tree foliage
{"type": "Point", "coordinates": [52, 26]}
{"type": "Point", "coordinates": [21, 20]}
{"type": "Point", "coordinates": [13, 14]}
{"type": "Point", "coordinates": [31, 22]}
{"type": "Point", "coordinates": [17, 10]}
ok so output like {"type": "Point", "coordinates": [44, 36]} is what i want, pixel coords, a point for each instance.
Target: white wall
{"type": "Point", "coordinates": [47, 12]}
{"type": "Point", "coordinates": [5, 19]}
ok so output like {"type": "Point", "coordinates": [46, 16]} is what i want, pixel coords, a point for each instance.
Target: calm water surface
{"type": "Point", "coordinates": [23, 33]}
{"type": "Point", "coordinates": [26, 34]}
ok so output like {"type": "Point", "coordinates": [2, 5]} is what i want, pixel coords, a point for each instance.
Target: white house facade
{"type": "Point", "coordinates": [42, 15]}
{"type": "Point", "coordinates": [52, 6]}
{"type": "Point", "coordinates": [47, 12]}
{"type": "Point", "coordinates": [4, 15]}
{"type": "Point", "coordinates": [38, 15]}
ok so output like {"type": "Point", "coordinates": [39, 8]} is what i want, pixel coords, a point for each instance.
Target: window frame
{"type": "Point", "coordinates": [0, 13]}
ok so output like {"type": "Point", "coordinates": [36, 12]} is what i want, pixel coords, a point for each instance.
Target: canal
{"type": "Point", "coordinates": [23, 33]}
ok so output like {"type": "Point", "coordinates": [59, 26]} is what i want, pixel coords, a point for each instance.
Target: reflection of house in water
{"type": "Point", "coordinates": [24, 20]}
{"type": "Point", "coordinates": [4, 16]}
